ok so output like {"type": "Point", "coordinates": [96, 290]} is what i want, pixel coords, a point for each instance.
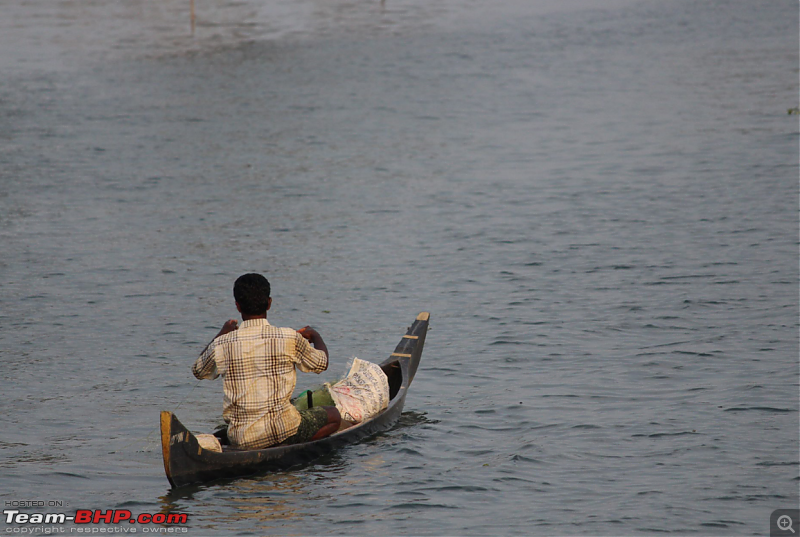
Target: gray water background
{"type": "Point", "coordinates": [596, 201]}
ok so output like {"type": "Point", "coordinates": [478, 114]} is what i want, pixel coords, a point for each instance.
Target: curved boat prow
{"type": "Point", "coordinates": [166, 433]}
{"type": "Point", "coordinates": [412, 344]}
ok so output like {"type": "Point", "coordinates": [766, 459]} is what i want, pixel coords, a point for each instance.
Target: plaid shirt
{"type": "Point", "coordinates": [257, 363]}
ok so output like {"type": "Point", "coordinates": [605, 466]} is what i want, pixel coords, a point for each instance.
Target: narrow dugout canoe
{"type": "Point", "coordinates": [185, 462]}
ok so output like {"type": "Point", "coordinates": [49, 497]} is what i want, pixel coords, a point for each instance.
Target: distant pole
{"type": "Point", "coordinates": [191, 9]}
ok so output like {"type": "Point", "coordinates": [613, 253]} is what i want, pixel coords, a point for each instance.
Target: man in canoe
{"type": "Point", "coordinates": [258, 364]}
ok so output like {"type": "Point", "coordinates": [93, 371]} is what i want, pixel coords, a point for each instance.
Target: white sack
{"type": "Point", "coordinates": [363, 393]}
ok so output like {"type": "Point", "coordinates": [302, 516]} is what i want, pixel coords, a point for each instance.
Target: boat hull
{"type": "Point", "coordinates": [185, 462]}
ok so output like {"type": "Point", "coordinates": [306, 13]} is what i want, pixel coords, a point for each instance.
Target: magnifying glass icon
{"type": "Point", "coordinates": [785, 523]}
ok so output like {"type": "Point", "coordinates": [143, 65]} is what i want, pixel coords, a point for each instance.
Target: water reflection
{"type": "Point", "coordinates": [270, 498]}
{"type": "Point", "coordinates": [412, 418]}
{"type": "Point", "coordinates": [264, 499]}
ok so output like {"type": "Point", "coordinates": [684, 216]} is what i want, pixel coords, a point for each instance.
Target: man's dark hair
{"type": "Point", "coordinates": [251, 292]}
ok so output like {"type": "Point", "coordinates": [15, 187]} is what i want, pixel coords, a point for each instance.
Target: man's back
{"type": "Point", "coordinates": [258, 364]}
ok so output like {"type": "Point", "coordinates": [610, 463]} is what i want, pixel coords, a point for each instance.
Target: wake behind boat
{"type": "Point", "coordinates": [185, 462]}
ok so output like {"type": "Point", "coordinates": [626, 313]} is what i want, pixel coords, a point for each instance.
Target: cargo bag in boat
{"type": "Point", "coordinates": [363, 393]}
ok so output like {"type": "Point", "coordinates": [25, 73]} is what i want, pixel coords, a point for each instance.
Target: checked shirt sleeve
{"type": "Point", "coordinates": [206, 366]}
{"type": "Point", "coordinates": [309, 359]}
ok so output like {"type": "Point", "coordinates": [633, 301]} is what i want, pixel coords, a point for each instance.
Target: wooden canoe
{"type": "Point", "coordinates": [185, 462]}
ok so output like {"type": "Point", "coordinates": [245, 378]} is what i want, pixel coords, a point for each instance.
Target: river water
{"type": "Point", "coordinates": [597, 201]}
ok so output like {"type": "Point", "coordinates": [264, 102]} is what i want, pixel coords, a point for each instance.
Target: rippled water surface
{"type": "Point", "coordinates": [596, 200]}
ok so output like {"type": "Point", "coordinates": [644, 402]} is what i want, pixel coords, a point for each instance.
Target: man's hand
{"type": "Point", "coordinates": [313, 336]}
{"type": "Point", "coordinates": [229, 326]}
{"type": "Point", "coordinates": [308, 333]}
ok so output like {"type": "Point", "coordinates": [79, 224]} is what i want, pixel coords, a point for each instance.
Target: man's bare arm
{"type": "Point", "coordinates": [229, 326]}
{"type": "Point", "coordinates": [314, 338]}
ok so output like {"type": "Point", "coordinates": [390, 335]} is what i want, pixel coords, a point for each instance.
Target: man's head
{"type": "Point", "coordinates": [251, 292]}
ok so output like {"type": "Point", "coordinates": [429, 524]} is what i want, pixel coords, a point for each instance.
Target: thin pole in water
{"type": "Point", "coordinates": [191, 16]}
